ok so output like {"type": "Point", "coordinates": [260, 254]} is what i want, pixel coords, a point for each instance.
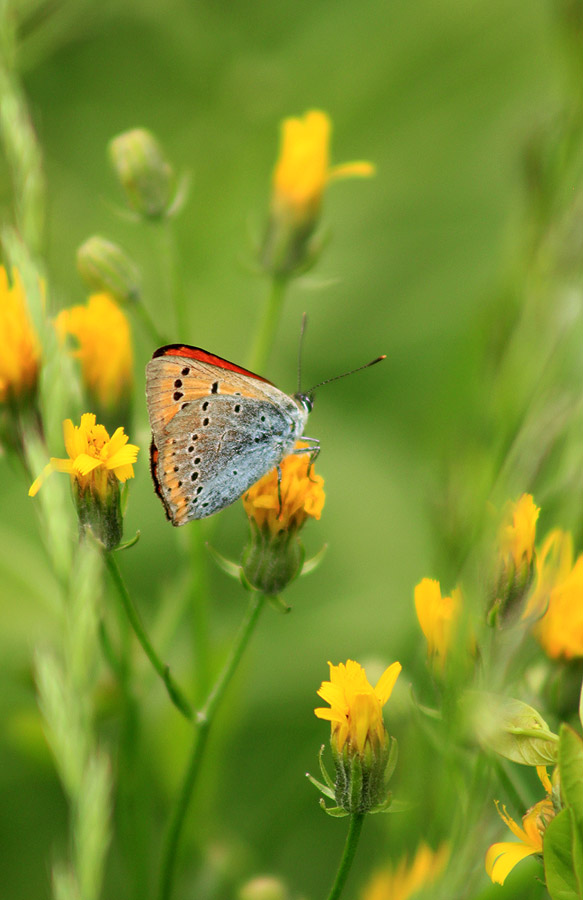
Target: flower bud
{"type": "Point", "coordinates": [105, 268]}
{"type": "Point", "coordinates": [143, 171]}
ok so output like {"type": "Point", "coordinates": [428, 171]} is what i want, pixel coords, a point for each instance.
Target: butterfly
{"type": "Point", "coordinates": [217, 428]}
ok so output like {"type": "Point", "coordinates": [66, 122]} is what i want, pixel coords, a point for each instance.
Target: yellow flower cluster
{"type": "Point", "coordinates": [356, 708]}
{"type": "Point", "coordinates": [19, 346]}
{"type": "Point", "coordinates": [302, 495]}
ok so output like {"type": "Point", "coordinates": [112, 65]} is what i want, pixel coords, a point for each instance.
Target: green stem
{"type": "Point", "coordinates": [355, 827]}
{"type": "Point", "coordinates": [175, 298]}
{"type": "Point", "coordinates": [266, 334]}
{"type": "Point", "coordinates": [174, 692]}
{"type": "Point", "coordinates": [199, 606]}
{"type": "Point", "coordinates": [149, 325]}
{"type": "Point", "coordinates": [204, 720]}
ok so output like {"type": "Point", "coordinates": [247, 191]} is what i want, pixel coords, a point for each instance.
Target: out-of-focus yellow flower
{"type": "Point", "coordinates": [96, 464]}
{"type": "Point", "coordinates": [302, 495]}
{"type": "Point", "coordinates": [93, 456]}
{"type": "Point", "coordinates": [300, 176]}
{"type": "Point", "coordinates": [438, 617]}
{"type": "Point", "coordinates": [19, 346]}
{"type": "Point", "coordinates": [554, 562]}
{"type": "Point", "coordinates": [560, 630]}
{"type": "Point", "coordinates": [516, 561]}
{"type": "Point", "coordinates": [105, 349]}
{"type": "Point", "coordinates": [502, 857]}
{"type": "Point", "coordinates": [356, 708]}
{"type": "Point", "coordinates": [407, 878]}
{"type": "Point", "coordinates": [303, 168]}
{"type": "Point", "coordinates": [518, 531]}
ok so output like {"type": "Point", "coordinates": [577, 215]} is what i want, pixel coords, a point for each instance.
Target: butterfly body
{"type": "Point", "coordinates": [216, 429]}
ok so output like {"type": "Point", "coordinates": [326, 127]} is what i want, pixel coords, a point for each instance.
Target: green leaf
{"type": "Point", "coordinates": [558, 859]}
{"type": "Point", "coordinates": [511, 728]}
{"type": "Point", "coordinates": [571, 768]}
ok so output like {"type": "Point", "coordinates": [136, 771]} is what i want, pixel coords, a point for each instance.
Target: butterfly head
{"type": "Point", "coordinates": [305, 401]}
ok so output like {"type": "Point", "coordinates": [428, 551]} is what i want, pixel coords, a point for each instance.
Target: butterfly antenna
{"type": "Point", "coordinates": [367, 365]}
{"type": "Point", "coordinates": [300, 350]}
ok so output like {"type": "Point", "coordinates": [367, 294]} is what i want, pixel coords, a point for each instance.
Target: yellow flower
{"type": "Point", "coordinates": [303, 170]}
{"type": "Point", "coordinates": [302, 496]}
{"type": "Point", "coordinates": [438, 616]}
{"type": "Point", "coordinates": [501, 858]}
{"type": "Point", "coordinates": [560, 630]}
{"type": "Point", "coordinates": [518, 532]}
{"type": "Point", "coordinates": [516, 561]}
{"type": "Point", "coordinates": [554, 562]}
{"type": "Point", "coordinates": [19, 346]}
{"type": "Point", "coordinates": [105, 349]}
{"type": "Point", "coordinates": [356, 708]}
{"type": "Point", "coordinates": [404, 881]}
{"type": "Point", "coordinates": [93, 456]}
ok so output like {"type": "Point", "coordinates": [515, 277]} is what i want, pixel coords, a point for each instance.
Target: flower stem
{"type": "Point", "coordinates": [198, 597]}
{"type": "Point", "coordinates": [354, 829]}
{"type": "Point", "coordinates": [203, 722]}
{"type": "Point", "coordinates": [174, 692]}
{"type": "Point", "coordinates": [266, 334]}
{"type": "Point", "coordinates": [149, 325]}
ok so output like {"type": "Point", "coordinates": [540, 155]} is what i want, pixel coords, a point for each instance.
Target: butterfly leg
{"type": "Point", "coordinates": [278, 467]}
{"type": "Point", "coordinates": [313, 452]}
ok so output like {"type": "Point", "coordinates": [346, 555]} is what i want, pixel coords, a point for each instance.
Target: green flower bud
{"type": "Point", "coordinates": [107, 269]}
{"type": "Point", "coordinates": [144, 173]}
{"type": "Point", "coordinates": [271, 561]}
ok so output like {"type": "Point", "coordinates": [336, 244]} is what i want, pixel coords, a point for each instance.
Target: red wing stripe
{"type": "Point", "coordinates": [201, 355]}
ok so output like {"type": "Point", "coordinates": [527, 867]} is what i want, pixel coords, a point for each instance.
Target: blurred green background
{"type": "Point", "coordinates": [441, 95]}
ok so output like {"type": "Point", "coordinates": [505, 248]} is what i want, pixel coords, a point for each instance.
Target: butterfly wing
{"type": "Point", "coordinates": [215, 432]}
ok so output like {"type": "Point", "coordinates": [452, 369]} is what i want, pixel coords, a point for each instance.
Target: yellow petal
{"type": "Point", "coordinates": [386, 683]}
{"type": "Point", "coordinates": [35, 486]}
{"type": "Point", "coordinates": [541, 771]}
{"type": "Point", "coordinates": [125, 456]}
{"type": "Point", "coordinates": [84, 464]}
{"type": "Point", "coordinates": [331, 715]}
{"type": "Point", "coordinates": [501, 859]}
{"type": "Point", "coordinates": [357, 169]}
